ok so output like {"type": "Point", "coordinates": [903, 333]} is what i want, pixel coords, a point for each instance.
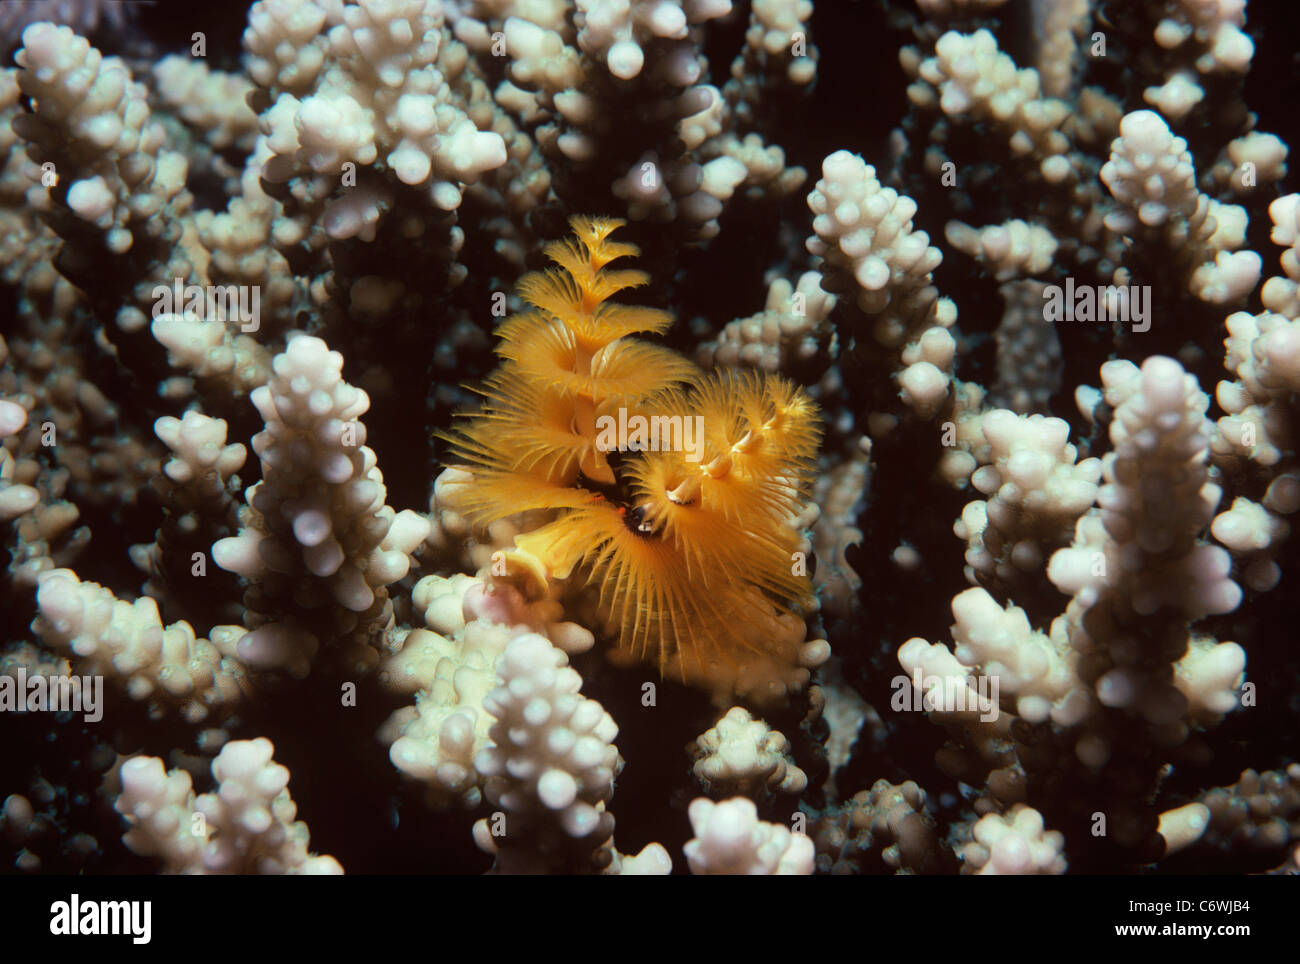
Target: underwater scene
{"type": "Point", "coordinates": [850, 437]}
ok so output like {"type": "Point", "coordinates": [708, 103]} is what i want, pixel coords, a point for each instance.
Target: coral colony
{"type": "Point", "coordinates": [858, 439]}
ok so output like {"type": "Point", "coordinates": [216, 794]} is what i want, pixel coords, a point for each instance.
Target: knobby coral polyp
{"type": "Point", "coordinates": [691, 540]}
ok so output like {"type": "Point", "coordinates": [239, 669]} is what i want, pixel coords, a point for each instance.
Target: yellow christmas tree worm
{"type": "Point", "coordinates": [673, 491]}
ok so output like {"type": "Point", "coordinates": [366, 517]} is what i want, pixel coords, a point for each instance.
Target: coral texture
{"type": "Point", "coordinates": [829, 437]}
{"type": "Point", "coordinates": [245, 827]}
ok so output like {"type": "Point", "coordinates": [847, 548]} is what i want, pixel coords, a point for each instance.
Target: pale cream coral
{"type": "Point", "coordinates": [1058, 26]}
{"type": "Point", "coordinates": [1209, 675]}
{"type": "Point", "coordinates": [318, 526]}
{"type": "Point", "coordinates": [212, 102]}
{"type": "Point", "coordinates": [92, 122]}
{"type": "Point", "coordinates": [15, 497]}
{"type": "Point", "coordinates": [246, 826]}
{"type": "Point", "coordinates": [1282, 293]}
{"type": "Point", "coordinates": [1257, 158]}
{"type": "Point", "coordinates": [740, 756]}
{"type": "Point", "coordinates": [163, 666]}
{"type": "Point", "coordinates": [1176, 97]}
{"type": "Point", "coordinates": [778, 29]}
{"type": "Point", "coordinates": [1215, 26]}
{"type": "Point", "coordinates": [284, 43]}
{"type": "Point", "coordinates": [208, 348]}
{"type": "Point", "coordinates": [550, 767]}
{"type": "Point", "coordinates": [1015, 843]}
{"type": "Point", "coordinates": [450, 666]}
{"type": "Point", "coordinates": [1035, 491]}
{"type": "Point", "coordinates": [382, 89]}
{"type": "Point", "coordinates": [1011, 250]}
{"type": "Point", "coordinates": [730, 839]}
{"type": "Point", "coordinates": [969, 75]}
{"type": "Point", "coordinates": [791, 327]}
{"type": "Point", "coordinates": [615, 32]}
{"type": "Point", "coordinates": [864, 233]}
{"type": "Point", "coordinates": [1150, 174]}
{"type": "Point", "coordinates": [1160, 437]}
{"type": "Point", "coordinates": [199, 449]}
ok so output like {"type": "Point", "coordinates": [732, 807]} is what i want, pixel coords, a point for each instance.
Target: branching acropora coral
{"type": "Point", "coordinates": [675, 491]}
